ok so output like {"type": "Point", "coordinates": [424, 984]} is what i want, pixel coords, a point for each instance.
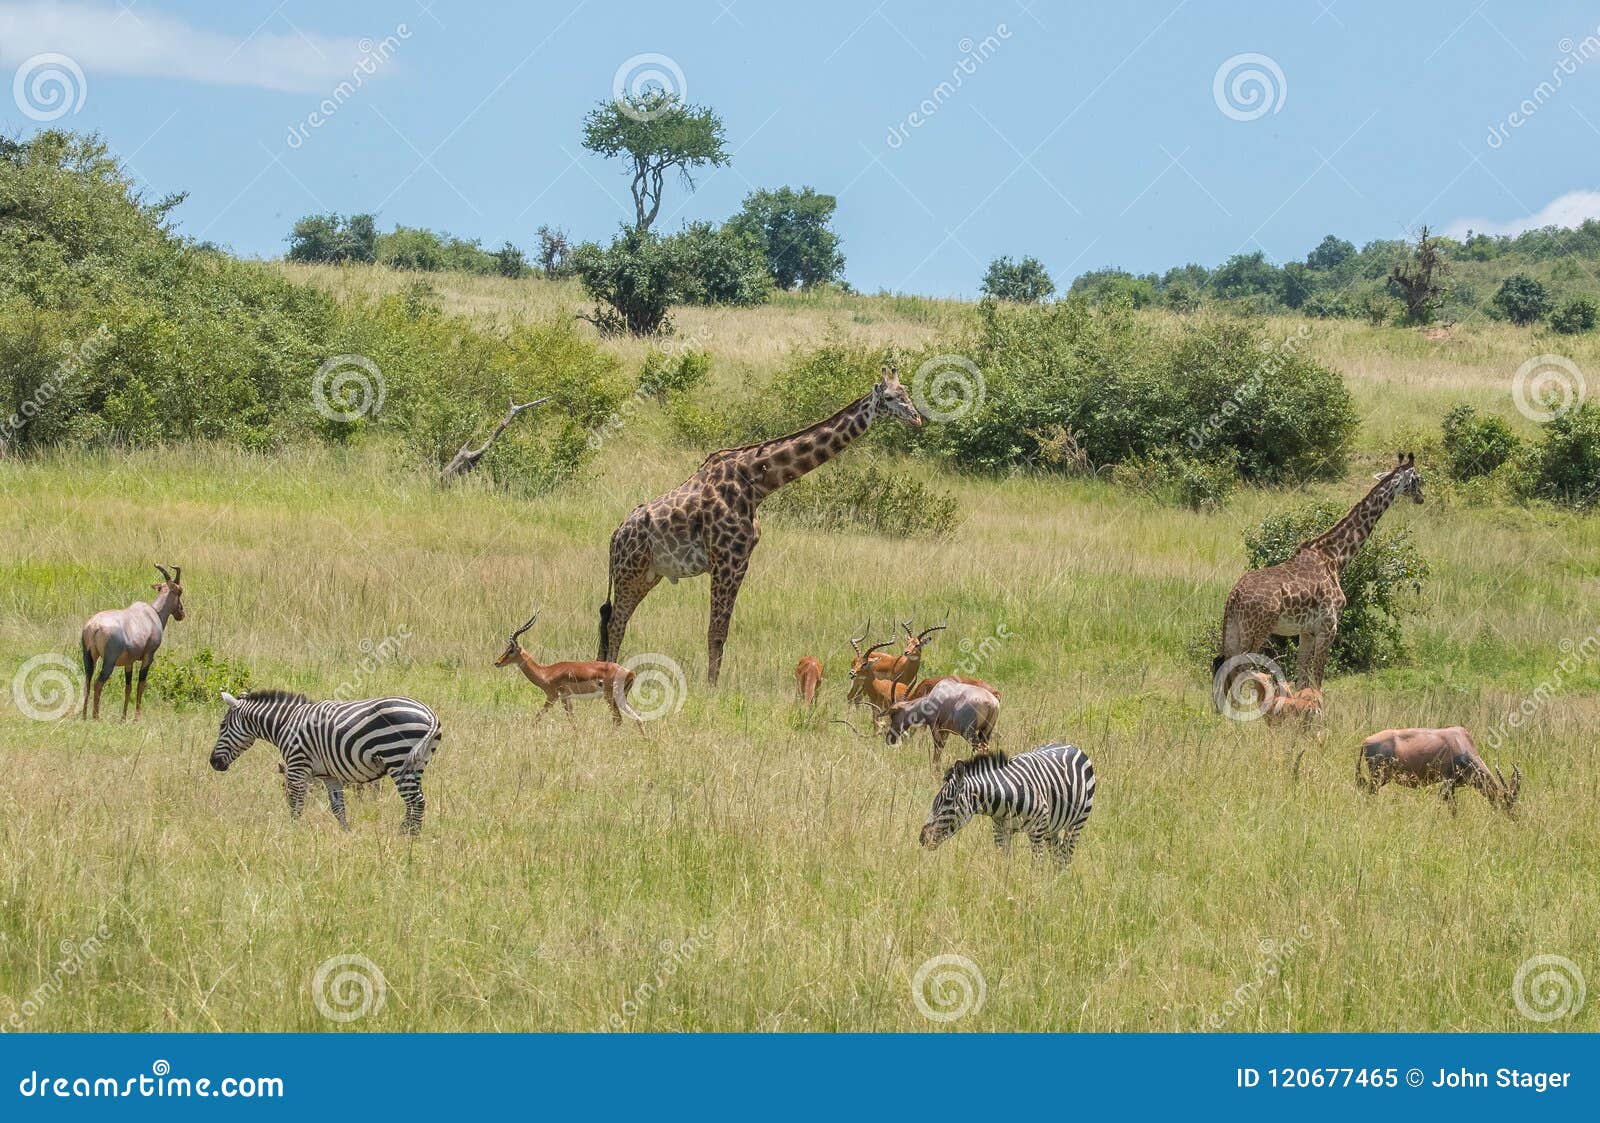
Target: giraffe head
{"type": "Point", "coordinates": [890, 396]}
{"type": "Point", "coordinates": [1407, 480]}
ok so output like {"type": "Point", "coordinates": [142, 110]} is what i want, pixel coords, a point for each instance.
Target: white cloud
{"type": "Point", "coordinates": [1569, 210]}
{"type": "Point", "coordinates": [138, 41]}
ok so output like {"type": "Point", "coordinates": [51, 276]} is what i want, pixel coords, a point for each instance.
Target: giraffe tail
{"type": "Point", "coordinates": [605, 628]}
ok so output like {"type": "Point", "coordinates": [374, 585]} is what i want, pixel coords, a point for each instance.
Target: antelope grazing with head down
{"type": "Point", "coordinates": [970, 712]}
{"type": "Point", "coordinates": [562, 682]}
{"type": "Point", "coordinates": [121, 637]}
{"type": "Point", "coordinates": [1416, 758]}
{"type": "Point", "coordinates": [807, 678]}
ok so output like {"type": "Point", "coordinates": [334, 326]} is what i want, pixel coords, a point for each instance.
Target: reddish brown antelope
{"type": "Point", "coordinates": [562, 682]}
{"type": "Point", "coordinates": [122, 637]}
{"type": "Point", "coordinates": [807, 678]}
{"type": "Point", "coordinates": [1416, 758]}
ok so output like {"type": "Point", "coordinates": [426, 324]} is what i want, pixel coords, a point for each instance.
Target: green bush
{"type": "Point", "coordinates": [1381, 585]}
{"type": "Point", "coordinates": [1025, 281]}
{"type": "Point", "coordinates": [665, 373]}
{"type": "Point", "coordinates": [1474, 444]}
{"type": "Point", "coordinates": [1220, 390]}
{"type": "Point", "coordinates": [333, 240]}
{"type": "Point", "coordinates": [1576, 316]}
{"type": "Point", "coordinates": [634, 281]}
{"type": "Point", "coordinates": [878, 499]}
{"type": "Point", "coordinates": [1564, 467]}
{"type": "Point", "coordinates": [1521, 299]}
{"type": "Point", "coordinates": [1180, 481]}
{"type": "Point", "coordinates": [197, 680]}
{"type": "Point", "coordinates": [719, 266]}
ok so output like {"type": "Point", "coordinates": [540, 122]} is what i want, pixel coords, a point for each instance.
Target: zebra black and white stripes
{"type": "Point", "coordinates": [1047, 792]}
{"type": "Point", "coordinates": [336, 742]}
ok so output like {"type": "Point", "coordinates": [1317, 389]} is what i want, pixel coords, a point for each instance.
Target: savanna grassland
{"type": "Point", "coordinates": [747, 865]}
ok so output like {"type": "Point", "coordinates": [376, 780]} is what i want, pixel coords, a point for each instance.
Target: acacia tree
{"type": "Point", "coordinates": [657, 134]}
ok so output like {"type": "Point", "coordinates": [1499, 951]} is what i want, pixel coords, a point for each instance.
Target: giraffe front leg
{"type": "Point", "coordinates": [336, 801]}
{"type": "Point", "coordinates": [1315, 647]}
{"type": "Point", "coordinates": [727, 574]}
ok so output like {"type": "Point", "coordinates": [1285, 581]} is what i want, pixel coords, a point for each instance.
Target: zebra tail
{"type": "Point", "coordinates": [417, 759]}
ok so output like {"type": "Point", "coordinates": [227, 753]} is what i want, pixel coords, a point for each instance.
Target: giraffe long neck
{"type": "Point", "coordinates": [1345, 538]}
{"type": "Point", "coordinates": [774, 463]}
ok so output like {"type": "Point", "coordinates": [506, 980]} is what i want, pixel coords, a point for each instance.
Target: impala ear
{"type": "Point", "coordinates": [229, 699]}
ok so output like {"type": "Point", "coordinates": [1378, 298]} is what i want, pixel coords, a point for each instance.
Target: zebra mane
{"type": "Point", "coordinates": [274, 695]}
{"type": "Point", "coordinates": [992, 759]}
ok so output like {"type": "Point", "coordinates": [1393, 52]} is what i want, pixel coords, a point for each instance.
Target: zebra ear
{"type": "Point", "coordinates": [229, 699]}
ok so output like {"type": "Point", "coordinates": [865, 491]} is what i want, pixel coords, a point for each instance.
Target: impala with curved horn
{"type": "Point", "coordinates": [123, 637]}
{"type": "Point", "coordinates": [562, 682]}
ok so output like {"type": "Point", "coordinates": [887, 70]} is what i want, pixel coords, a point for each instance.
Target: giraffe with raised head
{"type": "Point", "coordinates": [708, 524]}
{"type": "Point", "coordinates": [1302, 596]}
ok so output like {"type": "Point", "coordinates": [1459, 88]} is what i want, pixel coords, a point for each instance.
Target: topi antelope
{"type": "Point", "coordinates": [922, 688]}
{"type": "Point", "coordinates": [121, 637]}
{"type": "Point", "coordinates": [807, 678]}
{"type": "Point", "coordinates": [562, 682]}
{"type": "Point", "coordinates": [1416, 758]}
{"type": "Point", "coordinates": [968, 711]}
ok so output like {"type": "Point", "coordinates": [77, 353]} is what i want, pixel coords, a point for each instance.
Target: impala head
{"type": "Point", "coordinates": [233, 738]}
{"type": "Point", "coordinates": [513, 648]}
{"type": "Point", "coordinates": [1408, 480]}
{"type": "Point", "coordinates": [1505, 794]}
{"type": "Point", "coordinates": [952, 807]}
{"type": "Point", "coordinates": [891, 397]}
{"type": "Point", "coordinates": [169, 590]}
{"type": "Point", "coordinates": [858, 665]}
{"type": "Point", "coordinates": [916, 641]}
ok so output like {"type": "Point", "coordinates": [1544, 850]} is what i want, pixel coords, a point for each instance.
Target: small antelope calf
{"type": "Point", "coordinates": [562, 682]}
{"type": "Point", "coordinates": [807, 678]}
{"type": "Point", "coordinates": [1281, 702]}
{"type": "Point", "coordinates": [1418, 757]}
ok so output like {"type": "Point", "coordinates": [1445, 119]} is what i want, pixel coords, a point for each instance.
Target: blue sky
{"type": "Point", "coordinates": [1087, 135]}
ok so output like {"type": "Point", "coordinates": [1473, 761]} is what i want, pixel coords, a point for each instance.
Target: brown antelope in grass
{"type": "Point", "coordinates": [970, 712]}
{"type": "Point", "coordinates": [1416, 758]}
{"type": "Point", "coordinates": [807, 678]}
{"type": "Point", "coordinates": [121, 637]}
{"type": "Point", "coordinates": [562, 682]}
{"type": "Point", "coordinates": [921, 689]}
{"type": "Point", "coordinates": [908, 663]}
{"type": "Point", "coordinates": [1280, 701]}
{"type": "Point", "coordinates": [868, 666]}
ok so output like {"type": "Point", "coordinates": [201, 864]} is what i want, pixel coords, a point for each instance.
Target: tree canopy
{"type": "Point", "coordinates": [657, 134]}
{"type": "Point", "coordinates": [791, 227]}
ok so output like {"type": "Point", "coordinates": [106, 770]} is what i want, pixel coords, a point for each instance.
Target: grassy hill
{"type": "Point", "coordinates": [748, 865]}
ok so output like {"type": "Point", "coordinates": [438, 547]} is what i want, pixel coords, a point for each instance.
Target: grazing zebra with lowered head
{"type": "Point", "coordinates": [1046, 792]}
{"type": "Point", "coordinates": [336, 742]}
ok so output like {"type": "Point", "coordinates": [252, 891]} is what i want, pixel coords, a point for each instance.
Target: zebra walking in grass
{"type": "Point", "coordinates": [338, 743]}
{"type": "Point", "coordinates": [1047, 792]}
